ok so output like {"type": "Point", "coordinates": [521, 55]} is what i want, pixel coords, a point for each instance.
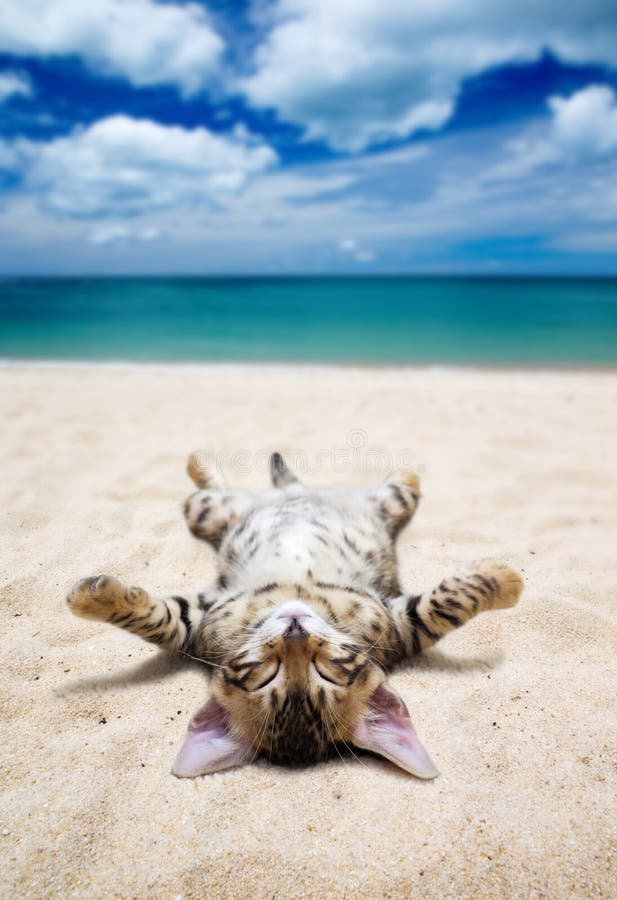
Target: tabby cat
{"type": "Point", "coordinates": [303, 622]}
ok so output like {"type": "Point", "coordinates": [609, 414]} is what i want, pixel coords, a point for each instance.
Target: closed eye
{"type": "Point", "coordinates": [252, 676]}
{"type": "Point", "coordinates": [261, 677]}
{"type": "Point", "coordinates": [324, 673]}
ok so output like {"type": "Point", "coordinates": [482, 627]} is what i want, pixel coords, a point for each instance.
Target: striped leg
{"type": "Point", "coordinates": [396, 500]}
{"type": "Point", "coordinates": [424, 619]}
{"type": "Point", "coordinates": [171, 623]}
{"type": "Point", "coordinates": [212, 511]}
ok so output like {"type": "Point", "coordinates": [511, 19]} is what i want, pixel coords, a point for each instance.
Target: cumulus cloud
{"type": "Point", "coordinates": [468, 200]}
{"type": "Point", "coordinates": [582, 129]}
{"type": "Point", "coordinates": [142, 40]}
{"type": "Point", "coordinates": [585, 124]}
{"type": "Point", "coordinates": [14, 84]}
{"type": "Point", "coordinates": [121, 166]}
{"type": "Point", "coordinates": [356, 72]}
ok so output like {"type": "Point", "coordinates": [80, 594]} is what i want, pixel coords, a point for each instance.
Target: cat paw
{"type": "Point", "coordinates": [507, 584]}
{"type": "Point", "coordinates": [205, 475]}
{"type": "Point", "coordinates": [408, 478]}
{"type": "Point", "coordinates": [102, 597]}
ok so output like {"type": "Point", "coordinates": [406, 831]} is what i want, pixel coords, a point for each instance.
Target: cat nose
{"type": "Point", "coordinates": [295, 630]}
{"type": "Point", "coordinates": [293, 608]}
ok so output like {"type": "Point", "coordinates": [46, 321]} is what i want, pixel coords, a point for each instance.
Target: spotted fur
{"type": "Point", "coordinates": [304, 620]}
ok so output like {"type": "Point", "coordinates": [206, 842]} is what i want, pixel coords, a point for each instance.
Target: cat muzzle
{"type": "Point", "coordinates": [295, 631]}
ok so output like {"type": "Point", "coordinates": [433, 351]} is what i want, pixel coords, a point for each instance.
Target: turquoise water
{"type": "Point", "coordinates": [378, 320]}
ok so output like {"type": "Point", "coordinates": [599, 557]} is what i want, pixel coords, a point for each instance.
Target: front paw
{"type": "Point", "coordinates": [506, 584]}
{"type": "Point", "coordinates": [103, 597]}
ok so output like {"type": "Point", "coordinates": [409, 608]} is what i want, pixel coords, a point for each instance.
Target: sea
{"type": "Point", "coordinates": [371, 320]}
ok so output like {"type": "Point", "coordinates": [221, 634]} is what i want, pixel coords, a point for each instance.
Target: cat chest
{"type": "Point", "coordinates": [294, 547]}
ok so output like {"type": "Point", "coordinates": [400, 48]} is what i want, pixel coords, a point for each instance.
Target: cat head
{"type": "Point", "coordinates": [295, 690]}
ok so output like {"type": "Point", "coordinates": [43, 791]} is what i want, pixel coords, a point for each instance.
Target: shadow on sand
{"type": "Point", "coordinates": [157, 667]}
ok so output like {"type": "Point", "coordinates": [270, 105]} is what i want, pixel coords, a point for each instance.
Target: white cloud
{"type": "Point", "coordinates": [347, 244]}
{"type": "Point", "coordinates": [524, 154]}
{"type": "Point", "coordinates": [582, 129]}
{"type": "Point", "coordinates": [123, 167]}
{"type": "Point", "coordinates": [419, 212]}
{"type": "Point", "coordinates": [109, 235]}
{"type": "Point", "coordinates": [355, 72]}
{"type": "Point", "coordinates": [585, 124]}
{"type": "Point", "coordinates": [142, 40]}
{"type": "Point", "coordinates": [14, 84]}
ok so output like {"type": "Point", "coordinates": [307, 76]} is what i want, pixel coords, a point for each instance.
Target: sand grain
{"type": "Point", "coordinates": [517, 709]}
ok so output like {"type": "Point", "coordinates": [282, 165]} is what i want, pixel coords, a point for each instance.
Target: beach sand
{"type": "Point", "coordinates": [516, 709]}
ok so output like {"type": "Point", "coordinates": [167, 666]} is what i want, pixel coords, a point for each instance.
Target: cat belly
{"type": "Point", "coordinates": [296, 554]}
{"type": "Point", "coordinates": [292, 544]}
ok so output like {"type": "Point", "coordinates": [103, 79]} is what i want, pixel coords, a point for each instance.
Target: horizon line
{"type": "Point", "coordinates": [24, 276]}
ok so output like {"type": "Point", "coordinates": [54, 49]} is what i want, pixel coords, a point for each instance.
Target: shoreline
{"type": "Point", "coordinates": [9, 363]}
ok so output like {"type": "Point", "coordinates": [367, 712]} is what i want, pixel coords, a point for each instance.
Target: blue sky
{"type": "Point", "coordinates": [308, 136]}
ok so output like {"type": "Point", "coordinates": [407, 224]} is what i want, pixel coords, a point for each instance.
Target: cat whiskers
{"type": "Point", "coordinates": [204, 662]}
{"type": "Point", "coordinates": [334, 743]}
{"type": "Point", "coordinates": [261, 731]}
{"type": "Point", "coordinates": [272, 731]}
{"type": "Point", "coordinates": [336, 721]}
{"type": "Point", "coordinates": [386, 647]}
{"type": "Point", "coordinates": [224, 648]}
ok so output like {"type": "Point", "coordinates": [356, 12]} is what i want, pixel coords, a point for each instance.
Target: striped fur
{"type": "Point", "coordinates": [307, 614]}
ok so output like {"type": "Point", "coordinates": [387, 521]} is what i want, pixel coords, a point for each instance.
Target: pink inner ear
{"type": "Point", "coordinates": [386, 729]}
{"type": "Point", "coordinates": [210, 745]}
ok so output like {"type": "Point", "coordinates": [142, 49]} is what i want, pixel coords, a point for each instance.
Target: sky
{"type": "Point", "coordinates": [308, 136]}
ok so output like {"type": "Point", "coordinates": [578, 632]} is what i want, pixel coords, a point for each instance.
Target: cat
{"type": "Point", "coordinates": [303, 622]}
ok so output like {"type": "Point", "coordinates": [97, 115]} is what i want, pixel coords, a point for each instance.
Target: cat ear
{"type": "Point", "coordinates": [280, 474]}
{"type": "Point", "coordinates": [210, 744]}
{"type": "Point", "coordinates": [386, 729]}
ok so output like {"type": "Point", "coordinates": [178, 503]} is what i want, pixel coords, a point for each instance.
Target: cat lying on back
{"type": "Point", "coordinates": [306, 617]}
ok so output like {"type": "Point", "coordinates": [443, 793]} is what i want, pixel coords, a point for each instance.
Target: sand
{"type": "Point", "coordinates": [517, 708]}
